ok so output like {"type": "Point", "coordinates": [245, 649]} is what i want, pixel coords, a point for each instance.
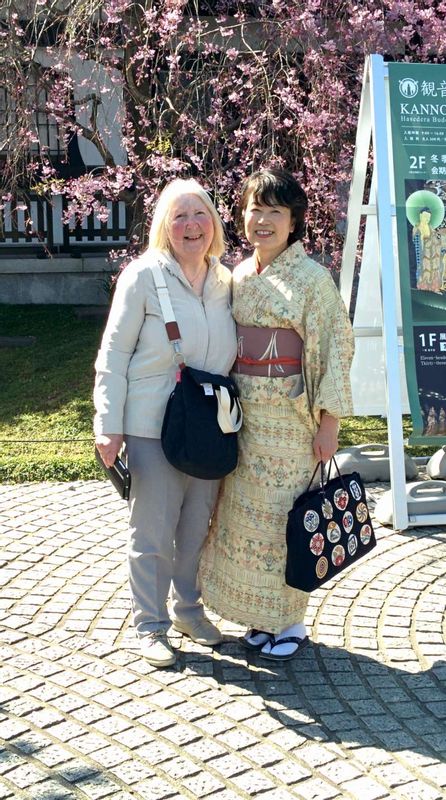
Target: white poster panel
{"type": "Point", "coordinates": [368, 368]}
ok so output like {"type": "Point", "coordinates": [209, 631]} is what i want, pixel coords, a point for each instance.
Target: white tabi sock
{"type": "Point", "coordinates": [287, 648]}
{"type": "Point", "coordinates": [260, 637]}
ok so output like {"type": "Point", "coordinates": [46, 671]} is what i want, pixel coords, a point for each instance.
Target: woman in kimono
{"type": "Point", "coordinates": [295, 347]}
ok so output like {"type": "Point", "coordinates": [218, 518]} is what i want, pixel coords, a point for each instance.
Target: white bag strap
{"type": "Point", "coordinates": [229, 419]}
{"type": "Point", "coordinates": [163, 293]}
{"type": "Point", "coordinates": [173, 331]}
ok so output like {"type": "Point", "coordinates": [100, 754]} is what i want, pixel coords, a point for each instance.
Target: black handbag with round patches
{"type": "Point", "coordinates": [328, 528]}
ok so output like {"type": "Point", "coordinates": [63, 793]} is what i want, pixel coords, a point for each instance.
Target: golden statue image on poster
{"type": "Point", "coordinates": [425, 211]}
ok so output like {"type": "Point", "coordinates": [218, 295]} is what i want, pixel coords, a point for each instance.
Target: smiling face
{"type": "Point", "coordinates": [267, 228]}
{"type": "Point", "coordinates": [190, 230]}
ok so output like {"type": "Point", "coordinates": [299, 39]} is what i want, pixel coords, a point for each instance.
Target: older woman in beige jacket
{"type": "Point", "coordinates": [135, 374]}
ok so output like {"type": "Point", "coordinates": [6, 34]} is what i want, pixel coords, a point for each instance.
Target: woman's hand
{"type": "Point", "coordinates": [109, 445]}
{"type": "Point", "coordinates": [325, 443]}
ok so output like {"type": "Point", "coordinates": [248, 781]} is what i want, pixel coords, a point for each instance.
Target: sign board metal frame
{"type": "Point", "coordinates": [373, 129]}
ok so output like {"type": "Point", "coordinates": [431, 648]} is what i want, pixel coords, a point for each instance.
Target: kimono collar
{"type": "Point", "coordinates": [294, 253]}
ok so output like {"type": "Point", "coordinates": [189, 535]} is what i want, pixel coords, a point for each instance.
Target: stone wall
{"type": "Point", "coordinates": [66, 281]}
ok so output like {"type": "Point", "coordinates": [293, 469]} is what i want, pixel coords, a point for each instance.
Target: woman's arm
{"type": "Point", "coordinates": [329, 345]}
{"type": "Point", "coordinates": [117, 347]}
{"type": "Point", "coordinates": [109, 445]}
{"type": "Point", "coordinates": [325, 443]}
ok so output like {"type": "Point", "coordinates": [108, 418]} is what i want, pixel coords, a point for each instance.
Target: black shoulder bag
{"type": "Point", "coordinates": [203, 413]}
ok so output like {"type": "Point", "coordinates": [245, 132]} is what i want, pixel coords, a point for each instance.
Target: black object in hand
{"type": "Point", "coordinates": [118, 474]}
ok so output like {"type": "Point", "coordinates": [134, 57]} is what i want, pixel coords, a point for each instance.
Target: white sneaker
{"type": "Point", "coordinates": [156, 649]}
{"type": "Point", "coordinates": [202, 631]}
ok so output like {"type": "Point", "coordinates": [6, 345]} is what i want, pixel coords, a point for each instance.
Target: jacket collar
{"type": "Point", "coordinates": [170, 263]}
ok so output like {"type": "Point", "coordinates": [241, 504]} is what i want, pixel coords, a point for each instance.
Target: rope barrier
{"type": "Point", "coordinates": [43, 441]}
{"type": "Point", "coordinates": [344, 427]}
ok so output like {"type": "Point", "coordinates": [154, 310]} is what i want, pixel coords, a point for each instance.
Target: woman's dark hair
{"type": "Point", "coordinates": [276, 187]}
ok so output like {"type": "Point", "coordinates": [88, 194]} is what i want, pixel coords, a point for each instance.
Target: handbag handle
{"type": "Point", "coordinates": [333, 461]}
{"type": "Point", "coordinates": [319, 465]}
{"type": "Point", "coordinates": [322, 481]}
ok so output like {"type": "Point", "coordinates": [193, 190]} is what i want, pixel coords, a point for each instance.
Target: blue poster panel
{"type": "Point", "coordinates": [418, 127]}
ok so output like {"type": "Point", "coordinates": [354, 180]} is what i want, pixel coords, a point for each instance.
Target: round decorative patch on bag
{"type": "Point", "coordinates": [322, 567]}
{"type": "Point", "coordinates": [317, 544]}
{"type": "Point", "coordinates": [347, 521]}
{"type": "Point", "coordinates": [366, 534]}
{"type": "Point", "coordinates": [361, 512]}
{"type": "Point", "coordinates": [327, 509]}
{"type": "Point", "coordinates": [311, 520]}
{"type": "Point", "coordinates": [340, 499]}
{"type": "Point", "coordinates": [355, 489]}
{"type": "Point", "coordinates": [338, 555]}
{"type": "Point", "coordinates": [352, 544]}
{"type": "Point", "coordinates": [333, 532]}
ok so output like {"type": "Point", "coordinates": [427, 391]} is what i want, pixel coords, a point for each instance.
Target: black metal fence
{"type": "Point", "coordinates": [35, 223]}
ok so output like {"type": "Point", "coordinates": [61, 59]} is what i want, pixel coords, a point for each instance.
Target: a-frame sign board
{"type": "Point", "coordinates": [374, 128]}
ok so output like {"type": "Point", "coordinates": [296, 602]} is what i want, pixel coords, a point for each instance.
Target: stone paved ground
{"type": "Point", "coordinates": [360, 714]}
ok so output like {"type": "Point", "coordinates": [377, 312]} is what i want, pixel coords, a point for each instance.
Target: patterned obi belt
{"type": "Point", "coordinates": [268, 352]}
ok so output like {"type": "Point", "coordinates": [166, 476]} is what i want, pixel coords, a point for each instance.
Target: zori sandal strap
{"type": "Point", "coordinates": [250, 645]}
{"type": "Point", "coordinates": [275, 641]}
{"type": "Point", "coordinates": [286, 640]}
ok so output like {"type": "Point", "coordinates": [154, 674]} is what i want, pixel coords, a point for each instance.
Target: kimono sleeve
{"type": "Point", "coordinates": [329, 347]}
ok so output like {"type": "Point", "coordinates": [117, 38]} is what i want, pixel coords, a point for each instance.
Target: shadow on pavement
{"type": "Point", "coordinates": [330, 694]}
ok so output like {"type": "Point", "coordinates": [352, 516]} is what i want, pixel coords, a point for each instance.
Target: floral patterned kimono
{"type": "Point", "coordinates": [243, 560]}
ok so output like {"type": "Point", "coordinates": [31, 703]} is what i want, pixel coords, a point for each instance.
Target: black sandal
{"type": "Point", "coordinates": [255, 632]}
{"type": "Point", "coordinates": [301, 643]}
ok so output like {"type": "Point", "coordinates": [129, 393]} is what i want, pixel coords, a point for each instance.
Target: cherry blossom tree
{"type": "Point", "coordinates": [209, 89]}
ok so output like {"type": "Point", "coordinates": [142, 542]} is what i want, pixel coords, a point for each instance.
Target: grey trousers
{"type": "Point", "coordinates": [168, 522]}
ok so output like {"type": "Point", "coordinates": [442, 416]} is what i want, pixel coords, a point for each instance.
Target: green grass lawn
{"type": "Point", "coordinates": [46, 399]}
{"type": "Point", "coordinates": [46, 407]}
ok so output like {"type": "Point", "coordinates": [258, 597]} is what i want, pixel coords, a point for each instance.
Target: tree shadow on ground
{"type": "Point", "coordinates": [331, 695]}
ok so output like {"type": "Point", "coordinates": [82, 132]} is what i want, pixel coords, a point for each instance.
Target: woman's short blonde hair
{"type": "Point", "coordinates": [159, 229]}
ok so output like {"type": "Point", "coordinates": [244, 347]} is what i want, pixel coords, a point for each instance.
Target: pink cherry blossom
{"type": "Point", "coordinates": [258, 84]}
